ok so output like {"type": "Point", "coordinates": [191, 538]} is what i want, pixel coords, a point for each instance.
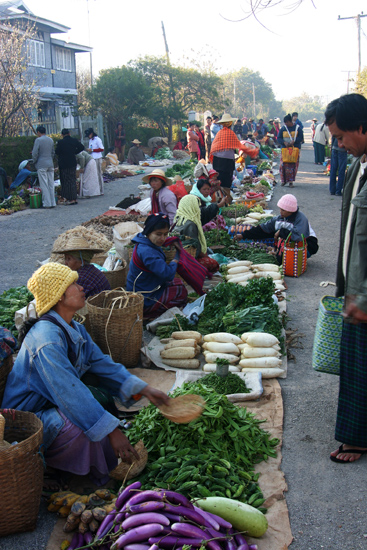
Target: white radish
{"type": "Point", "coordinates": [178, 353]}
{"type": "Point", "coordinates": [237, 264]}
{"type": "Point", "coordinates": [265, 267]}
{"type": "Point", "coordinates": [266, 373]}
{"type": "Point", "coordinates": [239, 278]}
{"type": "Point", "coordinates": [212, 367]}
{"type": "Point", "coordinates": [219, 347]}
{"type": "Point", "coordinates": [239, 269]}
{"type": "Point", "coordinates": [189, 343]}
{"type": "Point", "coordinates": [276, 346]}
{"type": "Point", "coordinates": [211, 357]}
{"type": "Point", "coordinates": [225, 337]}
{"type": "Point", "coordinates": [183, 363]}
{"type": "Point", "coordinates": [185, 334]}
{"type": "Point", "coordinates": [279, 286]}
{"type": "Point", "coordinates": [259, 339]}
{"type": "Point", "coordinates": [254, 215]}
{"type": "Point", "coordinates": [250, 351]}
{"type": "Point", "coordinates": [261, 362]}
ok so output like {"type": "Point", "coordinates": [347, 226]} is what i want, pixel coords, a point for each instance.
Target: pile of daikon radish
{"type": "Point", "coordinates": [221, 345]}
{"type": "Point", "coordinates": [243, 271]}
{"type": "Point", "coordinates": [260, 352]}
{"type": "Point", "coordinates": [251, 218]}
{"type": "Point", "coordinates": [181, 349]}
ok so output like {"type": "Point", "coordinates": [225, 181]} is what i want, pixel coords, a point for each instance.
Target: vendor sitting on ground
{"type": "Point", "coordinates": [135, 153]}
{"type": "Point", "coordinates": [290, 221]}
{"type": "Point", "coordinates": [163, 199]}
{"type": "Point", "coordinates": [112, 157]}
{"type": "Point", "coordinates": [24, 175]}
{"type": "Point", "coordinates": [78, 255]}
{"type": "Point", "coordinates": [149, 273]}
{"type": "Point", "coordinates": [79, 435]}
{"type": "Point", "coordinates": [156, 143]}
{"type": "Point", "coordinates": [208, 209]}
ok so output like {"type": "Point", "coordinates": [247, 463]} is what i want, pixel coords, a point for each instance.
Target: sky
{"type": "Point", "coordinates": [305, 50]}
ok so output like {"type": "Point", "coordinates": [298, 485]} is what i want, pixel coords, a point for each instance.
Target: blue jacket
{"type": "Point", "coordinates": [43, 380]}
{"type": "Point", "coordinates": [151, 285]}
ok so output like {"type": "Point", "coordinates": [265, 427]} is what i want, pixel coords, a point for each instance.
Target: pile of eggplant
{"type": "Point", "coordinates": [148, 520]}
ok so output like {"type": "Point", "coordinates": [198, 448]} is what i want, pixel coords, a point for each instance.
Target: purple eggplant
{"type": "Point", "coordinates": [243, 546]}
{"type": "Point", "coordinates": [116, 528]}
{"type": "Point", "coordinates": [76, 542]}
{"type": "Point", "coordinates": [252, 547]}
{"type": "Point", "coordinates": [176, 498]}
{"type": "Point", "coordinates": [137, 547]}
{"type": "Point", "coordinates": [241, 541]}
{"type": "Point", "coordinates": [213, 534]}
{"type": "Point", "coordinates": [141, 533]}
{"type": "Point", "coordinates": [188, 513]}
{"type": "Point", "coordinates": [213, 545]}
{"type": "Point", "coordinates": [213, 522]}
{"type": "Point", "coordinates": [188, 530]}
{"type": "Point", "coordinates": [88, 537]}
{"type": "Point", "coordinates": [142, 519]}
{"type": "Point", "coordinates": [230, 544]}
{"type": "Point", "coordinates": [126, 494]}
{"type": "Point", "coordinates": [222, 522]}
{"type": "Point", "coordinates": [144, 496]}
{"type": "Point", "coordinates": [171, 541]}
{"type": "Point", "coordinates": [149, 506]}
{"type": "Point", "coordinates": [106, 525]}
{"type": "Point", "coordinates": [119, 518]}
{"type": "Point", "coordinates": [174, 518]}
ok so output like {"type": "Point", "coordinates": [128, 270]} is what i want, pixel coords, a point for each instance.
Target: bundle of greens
{"type": "Point", "coordinates": [164, 153]}
{"type": "Point", "coordinates": [185, 170]}
{"type": "Point", "coordinates": [253, 319]}
{"type": "Point", "coordinates": [11, 301]}
{"type": "Point", "coordinates": [266, 149]}
{"type": "Point", "coordinates": [256, 292]}
{"type": "Point", "coordinates": [212, 456]}
{"type": "Point", "coordinates": [226, 385]}
{"type": "Point", "coordinates": [218, 236]}
{"type": "Point", "coordinates": [178, 323]}
{"type": "Point", "coordinates": [234, 211]}
{"type": "Point", "coordinates": [253, 251]}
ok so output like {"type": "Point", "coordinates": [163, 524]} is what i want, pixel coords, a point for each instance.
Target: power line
{"type": "Point", "coordinates": [358, 21]}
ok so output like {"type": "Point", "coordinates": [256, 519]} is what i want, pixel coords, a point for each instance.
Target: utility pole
{"type": "Point", "coordinates": [165, 42]}
{"type": "Point", "coordinates": [172, 90]}
{"type": "Point", "coordinates": [358, 21]}
{"type": "Point", "coordinates": [253, 98]}
{"type": "Point", "coordinates": [234, 97]}
{"type": "Point", "coordinates": [349, 79]}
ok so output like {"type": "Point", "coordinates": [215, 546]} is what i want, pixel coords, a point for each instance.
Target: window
{"type": "Point", "coordinates": [63, 59]}
{"type": "Point", "coordinates": [36, 53]}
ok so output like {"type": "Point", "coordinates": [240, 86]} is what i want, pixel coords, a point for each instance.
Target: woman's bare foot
{"type": "Point", "coordinates": [347, 453]}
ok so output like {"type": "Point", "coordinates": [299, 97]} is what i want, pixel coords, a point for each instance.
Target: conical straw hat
{"type": "Point", "coordinates": [76, 243]}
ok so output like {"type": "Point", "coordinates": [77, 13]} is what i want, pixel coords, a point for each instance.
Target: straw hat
{"type": "Point", "coordinates": [226, 118]}
{"type": "Point", "coordinates": [165, 140]}
{"type": "Point", "coordinates": [49, 283]}
{"type": "Point", "coordinates": [76, 243]}
{"type": "Point", "coordinates": [157, 173]}
{"type": "Point", "coordinates": [136, 142]}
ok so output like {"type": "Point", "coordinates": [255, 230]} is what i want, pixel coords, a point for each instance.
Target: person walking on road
{"type": "Point", "coordinates": [338, 165]}
{"type": "Point", "coordinates": [321, 139]}
{"type": "Point", "coordinates": [346, 118]}
{"type": "Point", "coordinates": [290, 135]}
{"type": "Point", "coordinates": [43, 158]}
{"type": "Point", "coordinates": [66, 149]}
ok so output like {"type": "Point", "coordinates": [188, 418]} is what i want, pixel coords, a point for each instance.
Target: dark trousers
{"type": "Point", "coordinates": [319, 152]}
{"type": "Point", "coordinates": [338, 166]}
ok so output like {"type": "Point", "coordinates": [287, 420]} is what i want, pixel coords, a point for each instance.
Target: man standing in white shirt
{"type": "Point", "coordinates": [95, 149]}
{"type": "Point", "coordinates": [43, 157]}
{"type": "Point", "coordinates": [321, 139]}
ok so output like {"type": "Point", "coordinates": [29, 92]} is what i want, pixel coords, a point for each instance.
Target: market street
{"type": "Point", "coordinates": [325, 500]}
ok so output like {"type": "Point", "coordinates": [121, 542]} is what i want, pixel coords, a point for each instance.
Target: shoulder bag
{"type": "Point", "coordinates": [326, 346]}
{"type": "Point", "coordinates": [290, 154]}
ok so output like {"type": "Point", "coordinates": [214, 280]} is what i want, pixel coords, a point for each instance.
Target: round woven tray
{"type": "Point", "coordinates": [117, 277]}
{"type": "Point", "coordinates": [118, 331]}
{"type": "Point", "coordinates": [21, 472]}
{"type": "Point", "coordinates": [5, 368]}
{"type": "Point", "coordinates": [126, 471]}
{"type": "Point", "coordinates": [183, 409]}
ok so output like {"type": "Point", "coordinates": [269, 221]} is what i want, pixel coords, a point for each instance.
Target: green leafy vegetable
{"type": "Point", "coordinates": [226, 385]}
{"type": "Point", "coordinates": [11, 301]}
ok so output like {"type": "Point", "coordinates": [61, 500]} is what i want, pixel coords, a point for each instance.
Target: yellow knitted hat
{"type": "Point", "coordinates": [48, 284]}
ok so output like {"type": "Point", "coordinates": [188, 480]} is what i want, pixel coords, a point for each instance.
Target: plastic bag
{"type": "Point", "coordinates": [193, 310]}
{"type": "Point", "coordinates": [122, 235]}
{"type": "Point", "coordinates": [27, 312]}
{"type": "Point", "coordinates": [179, 190]}
{"type": "Point", "coordinates": [143, 207]}
{"type": "Point", "coordinates": [220, 258]}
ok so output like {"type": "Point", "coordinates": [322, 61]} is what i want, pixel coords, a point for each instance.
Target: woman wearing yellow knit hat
{"type": "Point", "coordinates": [80, 435]}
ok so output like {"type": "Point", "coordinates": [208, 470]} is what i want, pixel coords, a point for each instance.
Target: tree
{"type": "Point", "coordinates": [83, 85]}
{"type": "Point", "coordinates": [306, 106]}
{"type": "Point", "coordinates": [18, 88]}
{"type": "Point", "coordinates": [241, 86]}
{"type": "Point", "coordinates": [120, 93]}
{"type": "Point", "coordinates": [361, 83]}
{"type": "Point", "coordinates": [177, 90]}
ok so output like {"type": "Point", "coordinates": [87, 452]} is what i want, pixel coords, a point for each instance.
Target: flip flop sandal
{"type": "Point", "coordinates": [341, 450]}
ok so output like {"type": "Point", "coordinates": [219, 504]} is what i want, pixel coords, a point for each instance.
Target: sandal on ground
{"type": "Point", "coordinates": [347, 451]}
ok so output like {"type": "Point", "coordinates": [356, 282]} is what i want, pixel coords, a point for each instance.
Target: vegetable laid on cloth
{"type": "Point", "coordinates": [227, 385]}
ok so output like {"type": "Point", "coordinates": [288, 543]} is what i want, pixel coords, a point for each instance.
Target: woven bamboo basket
{"type": "Point", "coordinates": [117, 278]}
{"type": "Point", "coordinates": [99, 258]}
{"type": "Point", "coordinates": [21, 472]}
{"type": "Point", "coordinates": [5, 368]}
{"type": "Point", "coordinates": [169, 253]}
{"type": "Point", "coordinates": [116, 324]}
{"type": "Point", "coordinates": [125, 471]}
{"type": "Point", "coordinates": [184, 408]}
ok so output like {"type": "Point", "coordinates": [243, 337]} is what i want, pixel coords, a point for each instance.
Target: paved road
{"type": "Point", "coordinates": [326, 501]}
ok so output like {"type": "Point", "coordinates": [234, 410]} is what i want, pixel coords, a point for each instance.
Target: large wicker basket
{"type": "Point", "coordinates": [116, 324]}
{"type": "Point", "coordinates": [21, 472]}
{"type": "Point", "coordinates": [170, 253]}
{"type": "Point", "coordinates": [117, 278]}
{"type": "Point", "coordinates": [5, 368]}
